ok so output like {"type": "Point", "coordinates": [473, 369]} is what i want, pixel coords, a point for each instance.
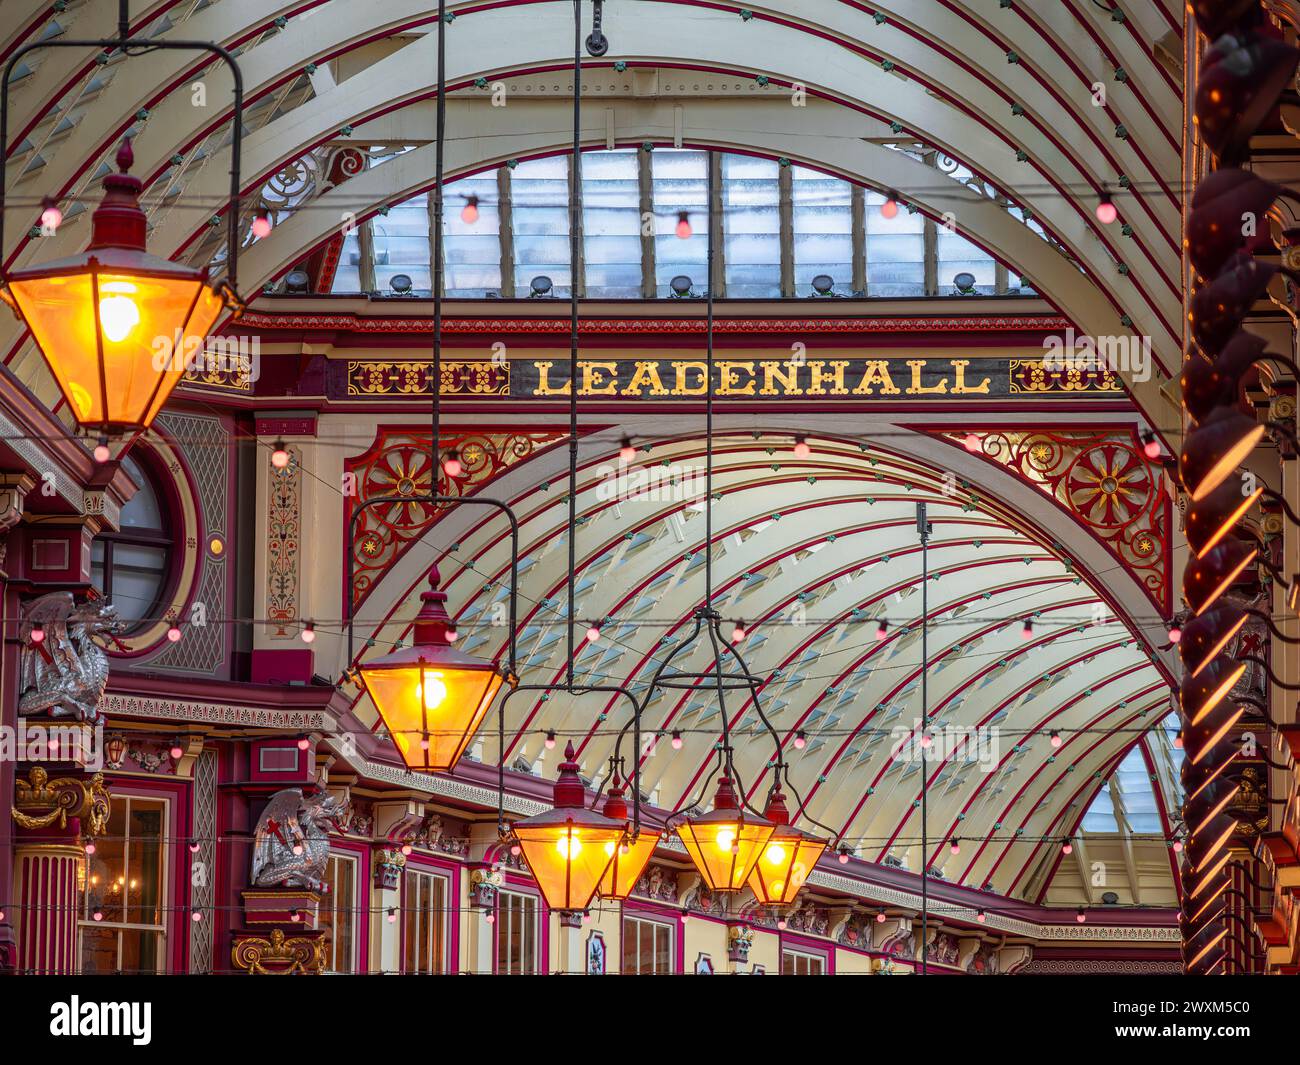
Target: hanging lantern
{"type": "Point", "coordinates": [115, 324]}
{"type": "Point", "coordinates": [630, 856]}
{"type": "Point", "coordinates": [726, 843]}
{"type": "Point", "coordinates": [431, 697]}
{"type": "Point", "coordinates": [568, 848]}
{"type": "Point", "coordinates": [787, 860]}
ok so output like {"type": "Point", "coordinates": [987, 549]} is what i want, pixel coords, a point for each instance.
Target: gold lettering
{"type": "Point", "coordinates": [959, 385]}
{"type": "Point", "coordinates": [543, 385]}
{"type": "Point", "coordinates": [786, 372]}
{"type": "Point", "coordinates": [647, 373]}
{"type": "Point", "coordinates": [729, 379]}
{"type": "Point", "coordinates": [876, 372]}
{"type": "Point", "coordinates": [918, 389]}
{"type": "Point", "coordinates": [593, 380]}
{"type": "Point", "coordinates": [817, 377]}
{"type": "Point", "coordinates": [682, 389]}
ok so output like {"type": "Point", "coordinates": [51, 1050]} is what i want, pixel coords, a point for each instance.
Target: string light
{"type": "Point", "coordinates": [1027, 631]}
{"type": "Point", "coordinates": [739, 633]}
{"type": "Point", "coordinates": [469, 213]}
{"type": "Point", "coordinates": [1067, 847]}
{"type": "Point", "coordinates": [1150, 445]}
{"type": "Point", "coordinates": [279, 455]}
{"type": "Point", "coordinates": [38, 634]}
{"type": "Point", "coordinates": [51, 215]}
{"type": "Point", "coordinates": [308, 633]}
{"type": "Point", "coordinates": [954, 846]}
{"type": "Point", "coordinates": [882, 629]}
{"type": "Point", "coordinates": [195, 916]}
{"type": "Point", "coordinates": [926, 739]}
{"type": "Point", "coordinates": [626, 449]}
{"type": "Point", "coordinates": [1081, 916]}
{"type": "Point", "coordinates": [1055, 738]}
{"type": "Point", "coordinates": [407, 849]}
{"type": "Point", "coordinates": [177, 752]}
{"type": "Point", "coordinates": [451, 632]}
{"type": "Point", "coordinates": [971, 442]}
{"type": "Point", "coordinates": [295, 916]}
{"type": "Point", "coordinates": [844, 856]}
{"type": "Point", "coordinates": [451, 465]}
{"type": "Point", "coordinates": [677, 740]}
{"type": "Point", "coordinates": [90, 846]}
{"type": "Point", "coordinates": [1106, 212]}
{"type": "Point", "coordinates": [262, 226]}
{"type": "Point", "coordinates": [593, 633]}
{"type": "Point", "coordinates": [684, 230]}
{"type": "Point", "coordinates": [880, 917]}
{"type": "Point", "coordinates": [392, 915]}
{"type": "Point", "coordinates": [802, 449]}
{"type": "Point", "coordinates": [889, 209]}
{"type": "Point", "coordinates": [174, 633]}
{"type": "Point", "coordinates": [303, 743]}
{"type": "Point", "coordinates": [1175, 633]}
{"type": "Point", "coordinates": [980, 916]}
{"type": "Point", "coordinates": [194, 846]}
{"type": "Point", "coordinates": [550, 741]}
{"type": "Point", "coordinates": [102, 452]}
{"type": "Point", "coordinates": [800, 740]}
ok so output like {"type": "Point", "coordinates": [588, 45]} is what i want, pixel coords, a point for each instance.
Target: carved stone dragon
{"type": "Point", "coordinates": [64, 675]}
{"type": "Point", "coordinates": [293, 822]}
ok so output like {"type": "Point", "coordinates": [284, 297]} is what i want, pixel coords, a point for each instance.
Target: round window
{"type": "Point", "coordinates": [131, 566]}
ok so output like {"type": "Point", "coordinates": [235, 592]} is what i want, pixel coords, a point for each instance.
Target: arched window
{"type": "Point", "coordinates": [131, 566]}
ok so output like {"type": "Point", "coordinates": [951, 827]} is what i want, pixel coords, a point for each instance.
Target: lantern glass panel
{"type": "Point", "coordinates": [569, 858]}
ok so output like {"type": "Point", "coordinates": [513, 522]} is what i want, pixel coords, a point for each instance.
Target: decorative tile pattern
{"type": "Point", "coordinates": [283, 542]}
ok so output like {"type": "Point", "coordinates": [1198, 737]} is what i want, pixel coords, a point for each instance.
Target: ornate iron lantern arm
{"type": "Point", "coordinates": [132, 46]}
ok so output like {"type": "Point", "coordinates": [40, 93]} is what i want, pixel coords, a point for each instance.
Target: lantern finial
{"type": "Point", "coordinates": [569, 792]}
{"type": "Point", "coordinates": [125, 156]}
{"type": "Point", "coordinates": [776, 810]}
{"type": "Point", "coordinates": [433, 622]}
{"type": "Point", "coordinates": [118, 221]}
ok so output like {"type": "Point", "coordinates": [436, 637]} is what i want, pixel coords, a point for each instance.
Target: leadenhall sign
{"type": "Point", "coordinates": [890, 379]}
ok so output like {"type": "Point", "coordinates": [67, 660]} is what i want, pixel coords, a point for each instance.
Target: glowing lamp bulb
{"type": "Point", "coordinates": [303, 743]}
{"type": "Point", "coordinates": [194, 846]}
{"type": "Point", "coordinates": [954, 847]}
{"type": "Point", "coordinates": [98, 915]}
{"type": "Point", "coordinates": [1178, 740]}
{"type": "Point", "coordinates": [1150, 446]}
{"type": "Point", "coordinates": [1175, 634]}
{"type": "Point", "coordinates": [174, 633]}
{"type": "Point", "coordinates": [626, 451]}
{"type": "Point", "coordinates": [802, 449]}
{"type": "Point", "coordinates": [1081, 917]}
{"type": "Point", "coordinates": [593, 634]}
{"type": "Point", "coordinates": [196, 917]}
{"type": "Point", "coordinates": [451, 633]}
{"type": "Point", "coordinates": [262, 226]}
{"type": "Point", "coordinates": [726, 839]}
{"type": "Point", "coordinates": [1028, 630]}
{"type": "Point", "coordinates": [407, 848]}
{"type": "Point", "coordinates": [738, 634]}
{"type": "Point", "coordinates": [433, 691]}
{"type": "Point", "coordinates": [971, 442]}
{"type": "Point", "coordinates": [926, 739]}
{"type": "Point", "coordinates": [451, 465]}
{"type": "Point", "coordinates": [297, 849]}
{"type": "Point", "coordinates": [774, 855]}
{"type": "Point", "coordinates": [392, 915]}
{"type": "Point", "coordinates": [882, 630]}
{"type": "Point", "coordinates": [1178, 846]}
{"type": "Point", "coordinates": [90, 848]}
{"type": "Point", "coordinates": [490, 918]}
{"type": "Point", "coordinates": [880, 918]}
{"type": "Point", "coordinates": [781, 924]}
{"type": "Point", "coordinates": [677, 741]}
{"type": "Point", "coordinates": [102, 453]}
{"type": "Point", "coordinates": [1107, 212]}
{"type": "Point", "coordinates": [51, 215]}
{"type": "Point", "coordinates": [980, 916]}
{"type": "Point", "coordinates": [889, 209]}
{"type": "Point", "coordinates": [568, 847]}
{"type": "Point", "coordinates": [684, 229]}
{"type": "Point", "coordinates": [279, 455]}
{"type": "Point", "coordinates": [1055, 738]}
{"type": "Point", "coordinates": [550, 741]}
{"type": "Point", "coordinates": [308, 632]}
{"type": "Point", "coordinates": [844, 857]}
{"type": "Point", "coordinates": [800, 740]}
{"type": "Point", "coordinates": [38, 634]}
{"type": "Point", "coordinates": [516, 850]}
{"type": "Point", "coordinates": [176, 752]}
{"type": "Point", "coordinates": [469, 213]}
{"type": "Point", "coordinates": [1067, 847]}
{"type": "Point", "coordinates": [118, 313]}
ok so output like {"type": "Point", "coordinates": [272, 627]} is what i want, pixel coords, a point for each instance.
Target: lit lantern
{"type": "Point", "coordinates": [116, 324]}
{"type": "Point", "coordinates": [787, 860]}
{"type": "Point", "coordinates": [431, 697]}
{"type": "Point", "coordinates": [726, 843]}
{"type": "Point", "coordinates": [569, 848]}
{"type": "Point", "coordinates": [630, 856]}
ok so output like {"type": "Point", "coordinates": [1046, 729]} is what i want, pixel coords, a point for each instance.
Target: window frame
{"type": "Point", "coordinates": [796, 947]}
{"type": "Point", "coordinates": [357, 927]}
{"type": "Point", "coordinates": [411, 916]}
{"type": "Point", "coordinates": [165, 859]}
{"type": "Point", "coordinates": [641, 917]}
{"type": "Point", "coordinates": [540, 917]}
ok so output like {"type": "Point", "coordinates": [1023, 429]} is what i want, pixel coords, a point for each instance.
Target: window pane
{"type": "Point", "coordinates": [680, 183]}
{"type": "Point", "coordinates": [144, 864]}
{"type": "Point", "coordinates": [402, 245]}
{"type": "Point", "coordinates": [471, 250]}
{"type": "Point", "coordinates": [895, 251]}
{"type": "Point", "coordinates": [347, 275]}
{"type": "Point", "coordinates": [143, 511]}
{"type": "Point", "coordinates": [540, 217]}
{"type": "Point", "coordinates": [752, 219]}
{"type": "Point", "coordinates": [958, 255]}
{"type": "Point", "coordinates": [138, 573]}
{"type": "Point", "coordinates": [337, 915]}
{"type": "Point", "coordinates": [611, 224]}
{"type": "Point", "coordinates": [823, 230]}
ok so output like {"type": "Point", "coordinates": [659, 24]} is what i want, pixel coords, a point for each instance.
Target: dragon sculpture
{"type": "Point", "coordinates": [64, 675]}
{"type": "Point", "coordinates": [291, 842]}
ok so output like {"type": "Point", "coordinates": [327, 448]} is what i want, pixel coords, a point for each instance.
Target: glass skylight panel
{"type": "Point", "coordinates": [752, 226]}
{"type": "Point", "coordinates": [957, 255]}
{"type": "Point", "coordinates": [822, 212]}
{"type": "Point", "coordinates": [402, 245]}
{"type": "Point", "coordinates": [540, 223]}
{"type": "Point", "coordinates": [471, 251]}
{"type": "Point", "coordinates": [611, 224]}
{"type": "Point", "coordinates": [680, 182]}
{"type": "Point", "coordinates": [895, 250]}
